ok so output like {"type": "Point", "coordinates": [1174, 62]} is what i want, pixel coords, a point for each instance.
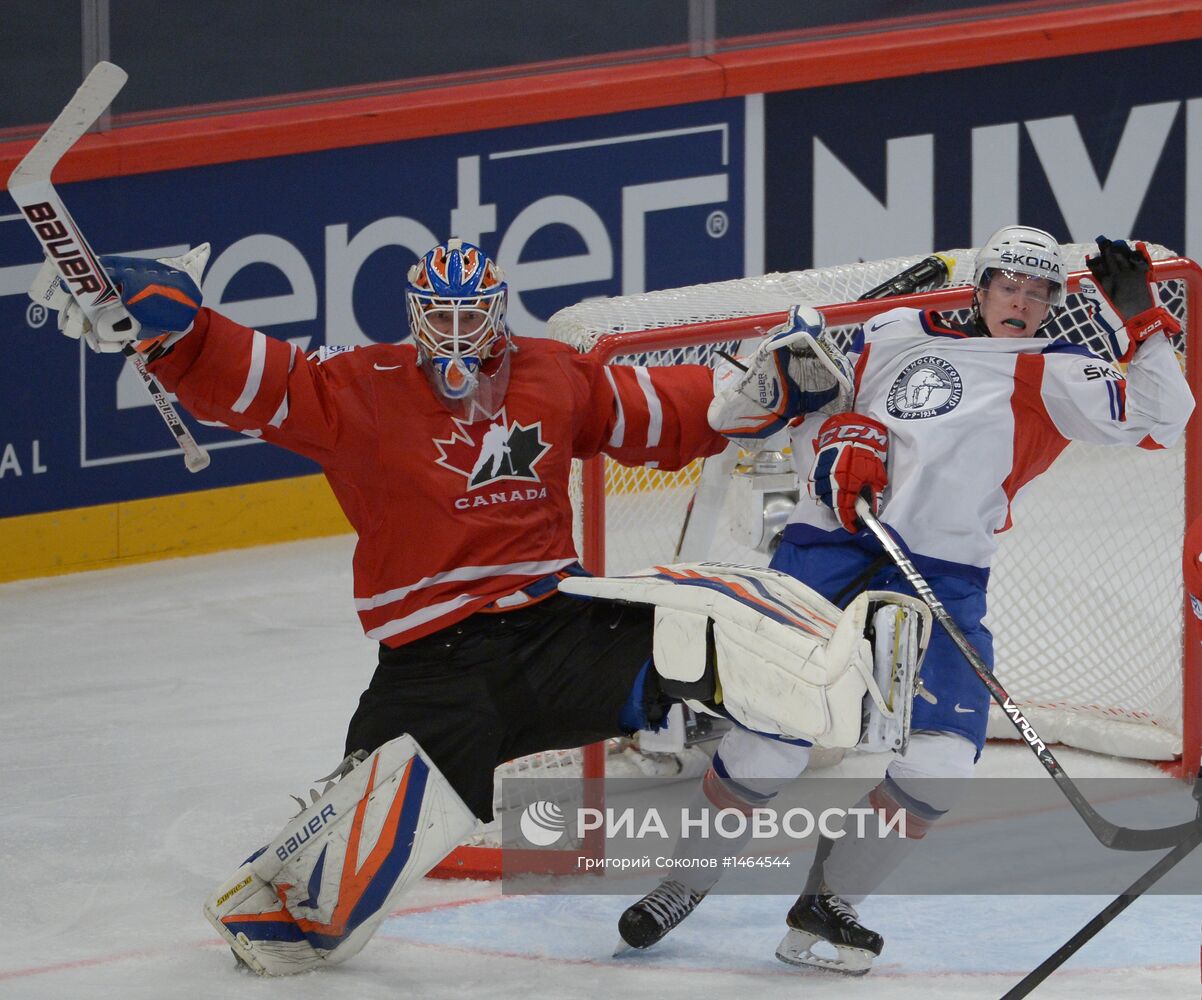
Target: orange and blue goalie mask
{"type": "Point", "coordinates": [455, 298]}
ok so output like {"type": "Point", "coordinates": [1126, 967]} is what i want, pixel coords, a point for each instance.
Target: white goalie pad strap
{"type": "Point", "coordinates": [788, 662]}
{"type": "Point", "coordinates": [679, 644]}
{"type": "Point", "coordinates": [317, 892]}
{"type": "Point", "coordinates": [901, 628]}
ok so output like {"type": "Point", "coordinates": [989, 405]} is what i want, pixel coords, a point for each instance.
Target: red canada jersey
{"type": "Point", "coordinates": [451, 515]}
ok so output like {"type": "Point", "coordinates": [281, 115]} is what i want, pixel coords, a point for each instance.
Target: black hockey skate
{"type": "Point", "coordinates": [665, 906]}
{"type": "Point", "coordinates": [822, 916]}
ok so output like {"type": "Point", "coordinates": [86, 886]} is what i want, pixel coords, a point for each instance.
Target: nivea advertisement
{"type": "Point", "coordinates": [1108, 143]}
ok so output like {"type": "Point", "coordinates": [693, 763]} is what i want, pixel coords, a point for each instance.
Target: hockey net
{"type": "Point", "coordinates": [1086, 601]}
{"type": "Point", "coordinates": [1085, 596]}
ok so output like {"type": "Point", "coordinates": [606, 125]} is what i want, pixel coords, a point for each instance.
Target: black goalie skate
{"type": "Point", "coordinates": [819, 917]}
{"type": "Point", "coordinates": [658, 912]}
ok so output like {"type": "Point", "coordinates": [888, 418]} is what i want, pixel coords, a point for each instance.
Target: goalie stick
{"type": "Point", "coordinates": [1119, 838]}
{"type": "Point", "coordinates": [80, 271]}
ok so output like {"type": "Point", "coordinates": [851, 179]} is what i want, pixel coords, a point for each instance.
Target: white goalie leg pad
{"type": "Point", "coordinates": [318, 891]}
{"type": "Point", "coordinates": [784, 660]}
{"type": "Point", "coordinates": [900, 632]}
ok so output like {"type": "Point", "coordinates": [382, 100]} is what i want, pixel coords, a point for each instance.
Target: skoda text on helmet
{"type": "Point", "coordinates": [455, 298]}
{"type": "Point", "coordinates": [1023, 250]}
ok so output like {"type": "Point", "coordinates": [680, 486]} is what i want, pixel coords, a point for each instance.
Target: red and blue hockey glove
{"type": "Point", "coordinates": [849, 461]}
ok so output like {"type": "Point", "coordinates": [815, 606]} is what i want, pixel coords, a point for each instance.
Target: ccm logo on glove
{"type": "Point", "coordinates": [863, 429]}
{"type": "Point", "coordinates": [849, 462]}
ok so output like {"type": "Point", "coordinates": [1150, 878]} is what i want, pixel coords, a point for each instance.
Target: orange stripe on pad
{"type": "Point", "coordinates": [742, 592]}
{"type": "Point", "coordinates": [167, 292]}
{"type": "Point", "coordinates": [356, 879]}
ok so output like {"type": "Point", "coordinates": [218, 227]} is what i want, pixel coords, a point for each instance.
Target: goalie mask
{"type": "Point", "coordinates": [455, 298]}
{"type": "Point", "coordinates": [1018, 263]}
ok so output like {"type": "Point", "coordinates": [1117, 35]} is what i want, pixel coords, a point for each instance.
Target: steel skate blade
{"type": "Point", "coordinates": [796, 948]}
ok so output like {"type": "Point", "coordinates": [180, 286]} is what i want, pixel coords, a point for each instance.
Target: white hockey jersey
{"type": "Point", "coordinates": [972, 420]}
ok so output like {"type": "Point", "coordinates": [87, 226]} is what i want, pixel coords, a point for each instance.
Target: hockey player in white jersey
{"type": "Point", "coordinates": [950, 422]}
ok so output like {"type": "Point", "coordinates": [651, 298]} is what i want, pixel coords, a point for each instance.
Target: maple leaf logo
{"type": "Point", "coordinates": [504, 450]}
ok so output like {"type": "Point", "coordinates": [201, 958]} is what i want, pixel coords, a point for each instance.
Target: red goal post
{"type": "Point", "coordinates": [1086, 597]}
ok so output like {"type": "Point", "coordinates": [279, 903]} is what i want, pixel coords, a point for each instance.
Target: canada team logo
{"type": "Point", "coordinates": [926, 387]}
{"type": "Point", "coordinates": [503, 450]}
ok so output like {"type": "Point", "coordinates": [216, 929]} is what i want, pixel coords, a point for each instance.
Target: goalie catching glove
{"type": "Point", "coordinates": [159, 302]}
{"type": "Point", "coordinates": [795, 370]}
{"type": "Point", "coordinates": [1122, 294]}
{"type": "Point", "coordinates": [850, 452]}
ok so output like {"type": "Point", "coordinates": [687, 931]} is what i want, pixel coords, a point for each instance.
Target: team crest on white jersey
{"type": "Point", "coordinates": [485, 452]}
{"type": "Point", "coordinates": [926, 387]}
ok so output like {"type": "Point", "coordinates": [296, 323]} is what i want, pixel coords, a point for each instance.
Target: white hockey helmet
{"type": "Point", "coordinates": [1023, 250]}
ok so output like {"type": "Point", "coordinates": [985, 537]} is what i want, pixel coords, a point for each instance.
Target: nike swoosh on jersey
{"type": "Point", "coordinates": [385, 368]}
{"type": "Point", "coordinates": [880, 326]}
{"type": "Point", "coordinates": [962, 711]}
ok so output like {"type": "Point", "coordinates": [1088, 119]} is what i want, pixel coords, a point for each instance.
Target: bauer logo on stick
{"type": "Point", "coordinates": [70, 255]}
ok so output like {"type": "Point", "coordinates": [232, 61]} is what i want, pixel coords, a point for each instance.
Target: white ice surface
{"type": "Point", "coordinates": [154, 718]}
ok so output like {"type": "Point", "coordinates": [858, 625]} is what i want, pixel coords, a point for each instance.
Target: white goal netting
{"type": "Point", "coordinates": [1085, 597]}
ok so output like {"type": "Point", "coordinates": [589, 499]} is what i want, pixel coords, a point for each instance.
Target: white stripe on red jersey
{"type": "Point", "coordinates": [460, 575]}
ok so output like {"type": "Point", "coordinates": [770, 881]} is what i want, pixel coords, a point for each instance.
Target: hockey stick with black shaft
{"type": "Point", "coordinates": [81, 272]}
{"type": "Point", "coordinates": [1128, 896]}
{"type": "Point", "coordinates": [1120, 838]}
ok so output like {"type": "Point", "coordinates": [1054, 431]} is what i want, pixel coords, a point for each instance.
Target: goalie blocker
{"type": "Point", "coordinates": [760, 648]}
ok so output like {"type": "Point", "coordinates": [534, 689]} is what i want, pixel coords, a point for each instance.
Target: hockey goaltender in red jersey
{"type": "Point", "coordinates": [450, 456]}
